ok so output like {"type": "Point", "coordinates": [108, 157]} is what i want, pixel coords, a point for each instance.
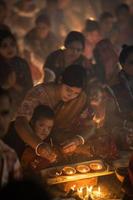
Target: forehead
{"type": "Point", "coordinates": [76, 44]}
{"type": "Point", "coordinates": [72, 89]}
{"type": "Point", "coordinates": [42, 24]}
{"type": "Point", "coordinates": [4, 103]}
{"type": "Point", "coordinates": [45, 120]}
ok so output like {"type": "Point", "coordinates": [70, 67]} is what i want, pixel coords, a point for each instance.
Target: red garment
{"type": "Point", "coordinates": [30, 161]}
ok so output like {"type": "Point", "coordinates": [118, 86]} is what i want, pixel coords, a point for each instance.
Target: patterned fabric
{"type": "Point", "coordinates": [10, 166]}
{"type": "Point", "coordinates": [49, 95]}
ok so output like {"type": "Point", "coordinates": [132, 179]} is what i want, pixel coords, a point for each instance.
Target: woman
{"type": "Point", "coordinates": [67, 99]}
{"type": "Point", "coordinates": [58, 60]}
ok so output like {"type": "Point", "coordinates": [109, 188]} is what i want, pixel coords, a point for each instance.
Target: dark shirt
{"type": "Point", "coordinates": [124, 92]}
{"type": "Point", "coordinates": [14, 141]}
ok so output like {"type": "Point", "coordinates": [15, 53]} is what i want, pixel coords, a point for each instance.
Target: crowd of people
{"type": "Point", "coordinates": [66, 86]}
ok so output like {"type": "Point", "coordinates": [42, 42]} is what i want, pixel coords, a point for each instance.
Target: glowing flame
{"type": "Point", "coordinates": [62, 47]}
{"type": "Point", "coordinates": [86, 192]}
{"type": "Point", "coordinates": [92, 18]}
{"type": "Point", "coordinates": [73, 187]}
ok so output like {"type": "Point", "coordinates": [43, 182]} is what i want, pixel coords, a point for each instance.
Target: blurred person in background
{"type": "Point", "coordinates": [123, 28]}
{"type": "Point", "coordinates": [106, 62]}
{"type": "Point", "coordinates": [106, 21]}
{"type": "Point", "coordinates": [9, 163]}
{"type": "Point", "coordinates": [39, 42]}
{"type": "Point", "coordinates": [58, 60]}
{"type": "Point", "coordinates": [9, 53]}
{"type": "Point", "coordinates": [22, 16]}
{"type": "Point", "coordinates": [92, 36]}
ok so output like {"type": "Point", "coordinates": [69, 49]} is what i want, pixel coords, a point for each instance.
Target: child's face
{"type": "Point", "coordinates": [8, 48]}
{"type": "Point", "coordinates": [43, 127]}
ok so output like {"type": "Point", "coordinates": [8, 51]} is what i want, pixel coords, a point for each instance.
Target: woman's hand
{"type": "Point", "coordinates": [70, 145]}
{"type": "Point", "coordinates": [45, 151]}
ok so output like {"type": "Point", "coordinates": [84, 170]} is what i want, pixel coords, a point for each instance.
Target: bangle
{"type": "Point", "coordinates": [36, 149]}
{"type": "Point", "coordinates": [81, 138]}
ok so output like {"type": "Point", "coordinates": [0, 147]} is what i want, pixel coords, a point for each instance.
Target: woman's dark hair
{"type": "Point", "coordinates": [105, 15]}
{"type": "Point", "coordinates": [74, 36]}
{"type": "Point", "coordinates": [126, 51]}
{"type": "Point", "coordinates": [42, 111]}
{"type": "Point", "coordinates": [74, 76]}
{"type": "Point", "coordinates": [43, 18]}
{"type": "Point", "coordinates": [122, 7]}
{"type": "Point", "coordinates": [91, 25]}
{"type": "Point", "coordinates": [6, 34]}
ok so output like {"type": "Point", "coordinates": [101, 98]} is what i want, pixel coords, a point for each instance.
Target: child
{"type": "Point", "coordinates": [42, 122]}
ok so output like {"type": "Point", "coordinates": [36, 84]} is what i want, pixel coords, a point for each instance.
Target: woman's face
{"type": "Point", "coordinates": [43, 127]}
{"type": "Point", "coordinates": [93, 37]}
{"type": "Point", "coordinates": [68, 93]}
{"type": "Point", "coordinates": [96, 98]}
{"type": "Point", "coordinates": [128, 65]}
{"type": "Point", "coordinates": [42, 30]}
{"type": "Point", "coordinates": [74, 50]}
{"type": "Point", "coordinates": [8, 48]}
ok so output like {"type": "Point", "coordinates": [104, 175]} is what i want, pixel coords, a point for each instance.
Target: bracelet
{"type": "Point", "coordinates": [81, 138]}
{"type": "Point", "coordinates": [36, 149]}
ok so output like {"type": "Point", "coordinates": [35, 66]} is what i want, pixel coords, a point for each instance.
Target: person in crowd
{"type": "Point", "coordinates": [22, 16]}
{"type": "Point", "coordinates": [41, 122]}
{"type": "Point", "coordinates": [3, 16]}
{"type": "Point", "coordinates": [106, 62]}
{"type": "Point", "coordinates": [127, 184]}
{"type": "Point", "coordinates": [40, 42]}
{"type": "Point", "coordinates": [100, 114]}
{"type": "Point", "coordinates": [106, 21]}
{"type": "Point", "coordinates": [58, 60]}
{"type": "Point", "coordinates": [57, 17]}
{"type": "Point", "coordinates": [9, 52]}
{"type": "Point", "coordinates": [92, 35]}
{"type": "Point", "coordinates": [64, 98]}
{"type": "Point", "coordinates": [123, 91]}
{"type": "Point", "coordinates": [122, 29]}
{"type": "Point", "coordinates": [7, 76]}
{"type": "Point", "coordinates": [124, 88]}
{"type": "Point", "coordinates": [8, 81]}
{"type": "Point", "coordinates": [9, 163]}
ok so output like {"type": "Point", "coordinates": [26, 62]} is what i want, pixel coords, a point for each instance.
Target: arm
{"type": "Point", "coordinates": [28, 136]}
{"type": "Point", "coordinates": [84, 133]}
{"type": "Point", "coordinates": [26, 133]}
